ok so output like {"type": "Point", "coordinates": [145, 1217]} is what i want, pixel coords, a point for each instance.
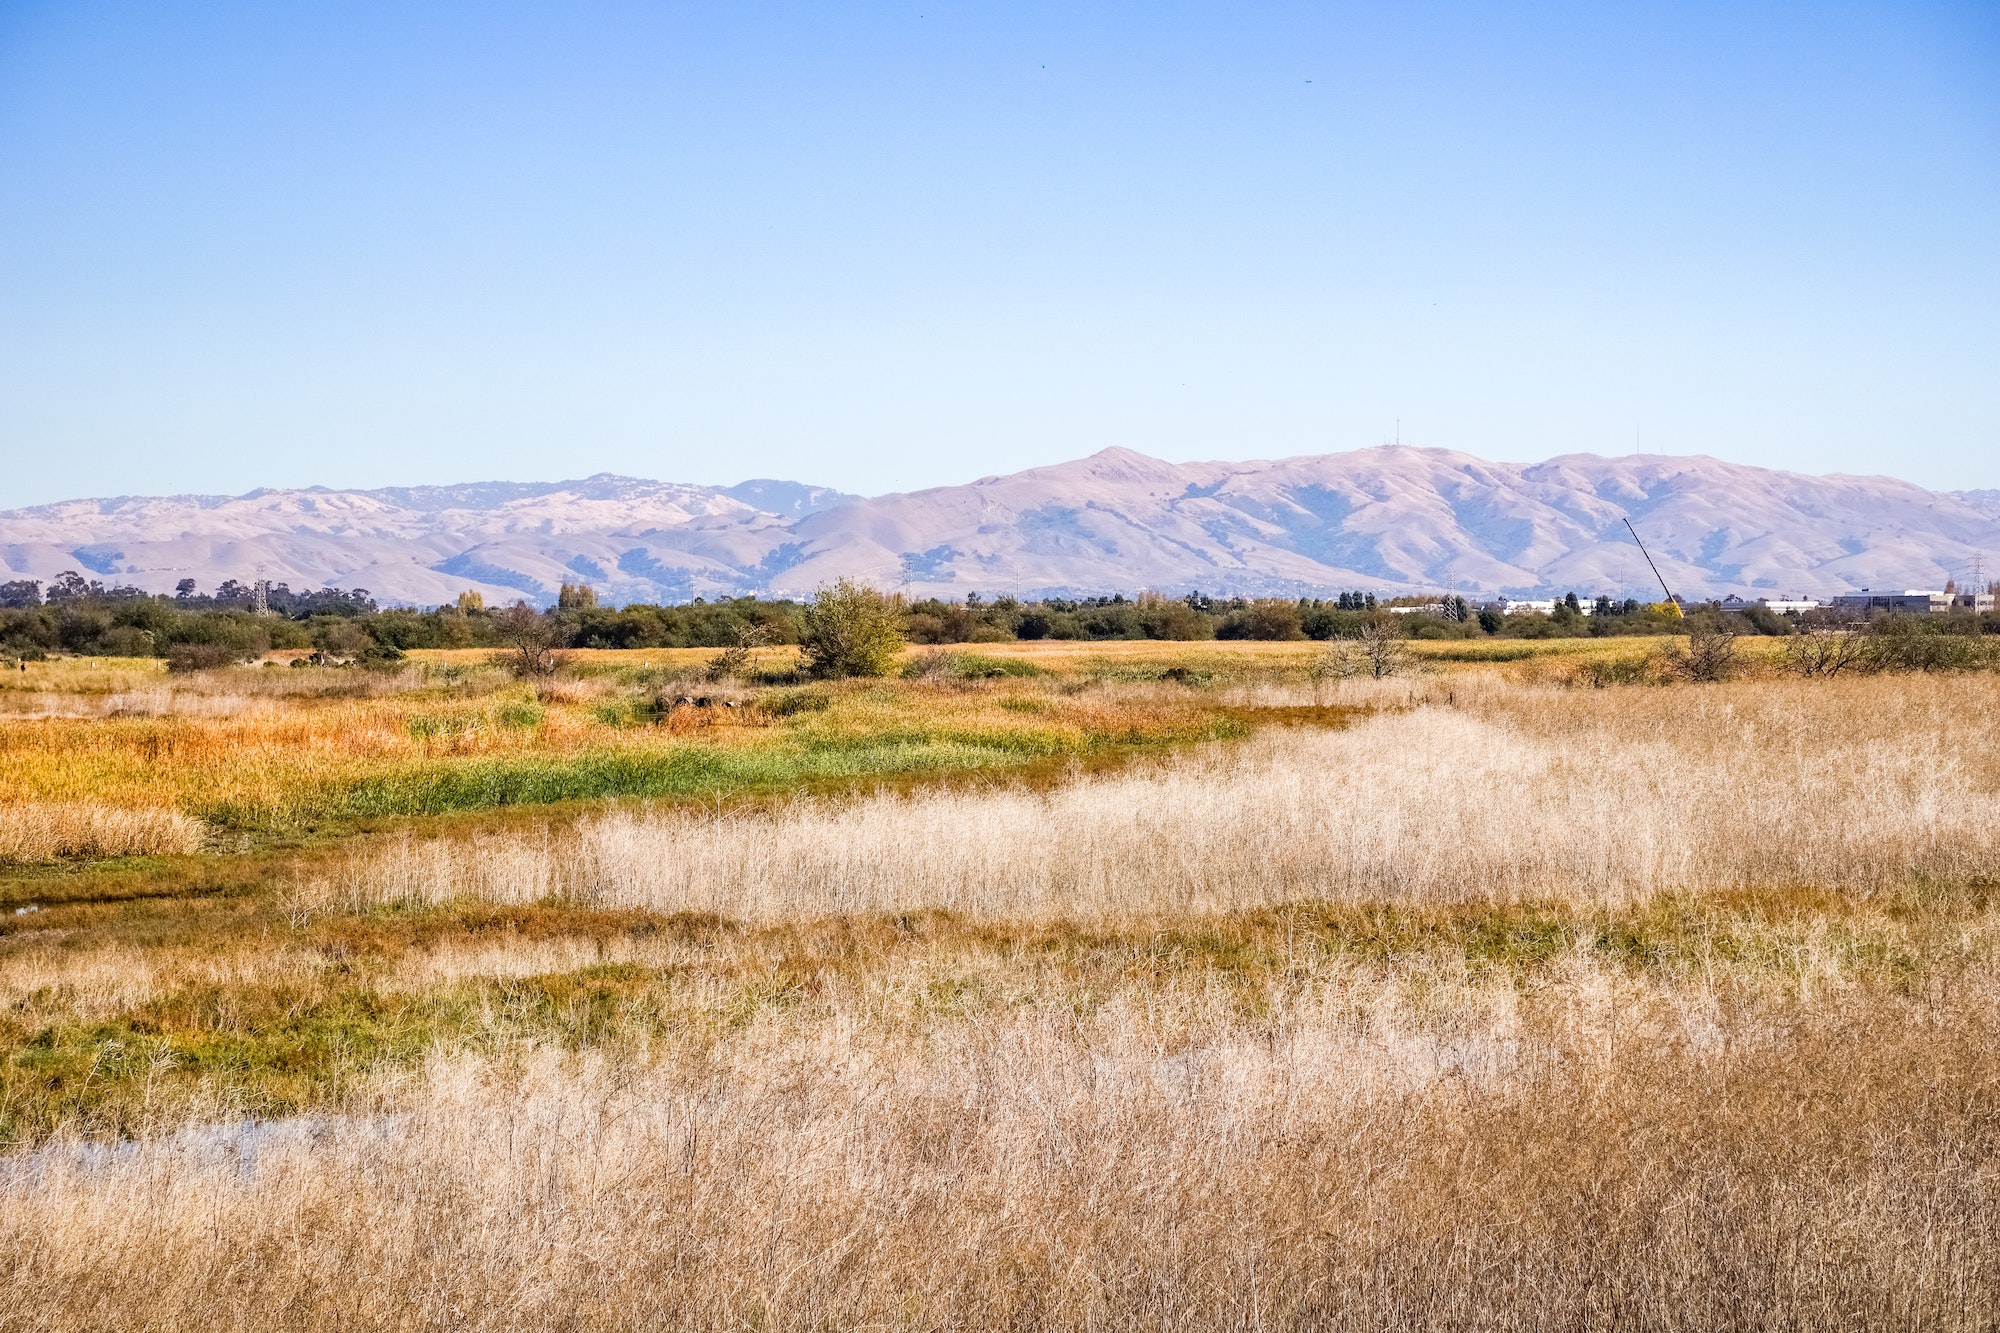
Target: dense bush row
{"type": "Point", "coordinates": [76, 616]}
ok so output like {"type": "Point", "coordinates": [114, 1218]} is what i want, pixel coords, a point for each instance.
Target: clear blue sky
{"type": "Point", "coordinates": [889, 246]}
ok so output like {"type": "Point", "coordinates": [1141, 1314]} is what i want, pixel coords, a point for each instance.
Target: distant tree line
{"type": "Point", "coordinates": [83, 616]}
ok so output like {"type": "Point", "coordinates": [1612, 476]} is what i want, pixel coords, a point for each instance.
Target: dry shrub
{"type": "Point", "coordinates": [44, 831]}
{"type": "Point", "coordinates": [1709, 655]}
{"type": "Point", "coordinates": [1849, 788]}
{"type": "Point", "coordinates": [1602, 672]}
{"type": "Point", "coordinates": [1687, 1166]}
{"type": "Point", "coordinates": [932, 666]}
{"type": "Point", "coordinates": [1823, 652]}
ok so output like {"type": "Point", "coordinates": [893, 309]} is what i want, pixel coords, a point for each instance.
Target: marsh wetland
{"type": "Point", "coordinates": [1057, 985]}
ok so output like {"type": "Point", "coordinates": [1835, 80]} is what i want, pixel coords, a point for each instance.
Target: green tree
{"type": "Point", "coordinates": [850, 630]}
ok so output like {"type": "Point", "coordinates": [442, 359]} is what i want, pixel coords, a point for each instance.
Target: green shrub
{"type": "Point", "coordinates": [125, 641]}
{"type": "Point", "coordinates": [850, 630]}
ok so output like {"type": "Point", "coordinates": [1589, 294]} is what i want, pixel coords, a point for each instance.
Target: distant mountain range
{"type": "Point", "coordinates": [1391, 520]}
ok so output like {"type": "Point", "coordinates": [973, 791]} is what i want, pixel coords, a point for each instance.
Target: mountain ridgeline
{"type": "Point", "coordinates": [1396, 520]}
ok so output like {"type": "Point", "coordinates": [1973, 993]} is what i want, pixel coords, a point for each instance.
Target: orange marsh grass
{"type": "Point", "coordinates": [289, 757]}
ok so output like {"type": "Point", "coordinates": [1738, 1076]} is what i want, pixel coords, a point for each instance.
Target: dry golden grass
{"type": "Point", "coordinates": [1354, 1157]}
{"type": "Point", "coordinates": [1506, 794]}
{"type": "Point", "coordinates": [43, 831]}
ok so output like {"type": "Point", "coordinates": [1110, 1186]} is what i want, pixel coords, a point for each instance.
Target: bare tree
{"type": "Point", "coordinates": [1375, 652]}
{"type": "Point", "coordinates": [1385, 653]}
{"type": "Point", "coordinates": [536, 639]}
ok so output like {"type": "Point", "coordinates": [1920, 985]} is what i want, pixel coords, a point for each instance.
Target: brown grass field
{"type": "Point", "coordinates": [1174, 987]}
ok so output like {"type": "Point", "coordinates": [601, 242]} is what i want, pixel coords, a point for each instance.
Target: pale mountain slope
{"type": "Point", "coordinates": [1399, 518]}
{"type": "Point", "coordinates": [411, 544]}
{"type": "Point", "coordinates": [1390, 519]}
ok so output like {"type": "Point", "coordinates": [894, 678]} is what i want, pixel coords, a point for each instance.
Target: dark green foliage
{"type": "Point", "coordinates": [1262, 619]}
{"type": "Point", "coordinates": [1768, 622]}
{"type": "Point", "coordinates": [698, 624]}
{"type": "Point", "coordinates": [934, 621]}
{"type": "Point", "coordinates": [82, 616]}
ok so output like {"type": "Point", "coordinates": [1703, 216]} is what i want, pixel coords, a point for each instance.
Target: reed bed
{"type": "Point", "coordinates": [45, 831]}
{"type": "Point", "coordinates": [1515, 794]}
{"type": "Point", "coordinates": [1604, 1159]}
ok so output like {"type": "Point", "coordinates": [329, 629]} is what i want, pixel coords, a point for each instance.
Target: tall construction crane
{"type": "Point", "coordinates": [1669, 607]}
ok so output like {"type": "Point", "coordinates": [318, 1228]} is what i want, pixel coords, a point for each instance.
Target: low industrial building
{"type": "Point", "coordinates": [1780, 605]}
{"type": "Point", "coordinates": [1914, 601]}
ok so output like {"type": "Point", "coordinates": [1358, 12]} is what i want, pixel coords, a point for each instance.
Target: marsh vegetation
{"type": "Point", "coordinates": [1033, 986]}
